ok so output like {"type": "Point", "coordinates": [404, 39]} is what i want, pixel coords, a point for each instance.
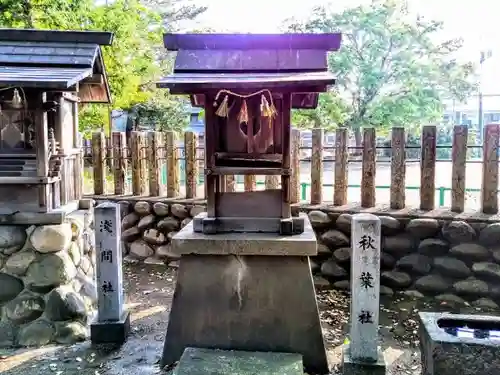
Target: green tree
{"type": "Point", "coordinates": [391, 68]}
{"type": "Point", "coordinates": [327, 115]}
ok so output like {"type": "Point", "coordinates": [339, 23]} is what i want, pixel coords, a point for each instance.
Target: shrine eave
{"type": "Point", "coordinates": [42, 77]}
{"type": "Point", "coordinates": [191, 83]}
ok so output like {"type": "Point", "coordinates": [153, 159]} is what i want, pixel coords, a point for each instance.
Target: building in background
{"type": "Point", "coordinates": [468, 113]}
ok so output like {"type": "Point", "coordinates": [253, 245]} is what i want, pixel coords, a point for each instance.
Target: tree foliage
{"type": "Point", "coordinates": [329, 113]}
{"type": "Point", "coordinates": [391, 68]}
{"type": "Point", "coordinates": [135, 60]}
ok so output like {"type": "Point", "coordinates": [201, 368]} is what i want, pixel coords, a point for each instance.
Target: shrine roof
{"type": "Point", "coordinates": [196, 82]}
{"type": "Point", "coordinates": [48, 59]}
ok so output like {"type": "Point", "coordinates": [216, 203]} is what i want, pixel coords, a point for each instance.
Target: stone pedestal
{"type": "Point", "coordinates": [249, 292]}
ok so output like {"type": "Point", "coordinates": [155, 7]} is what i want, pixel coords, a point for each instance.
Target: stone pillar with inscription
{"type": "Point", "coordinates": [112, 323]}
{"type": "Point", "coordinates": [362, 354]}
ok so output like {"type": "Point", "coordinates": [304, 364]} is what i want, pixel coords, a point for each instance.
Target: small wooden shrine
{"type": "Point", "coordinates": [248, 84]}
{"type": "Point", "coordinates": [44, 75]}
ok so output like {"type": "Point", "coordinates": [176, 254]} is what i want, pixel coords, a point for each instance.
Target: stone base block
{"type": "Point", "coordinates": [195, 361]}
{"type": "Point", "coordinates": [246, 303]}
{"type": "Point", "coordinates": [352, 366]}
{"type": "Point", "coordinates": [190, 241]}
{"type": "Point", "coordinates": [286, 227]}
{"type": "Point", "coordinates": [110, 332]}
{"type": "Point", "coordinates": [459, 344]}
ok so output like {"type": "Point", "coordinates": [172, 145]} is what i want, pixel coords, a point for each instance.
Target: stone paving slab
{"type": "Point", "coordinates": [195, 361]}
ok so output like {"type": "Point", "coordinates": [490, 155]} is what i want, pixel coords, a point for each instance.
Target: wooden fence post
{"type": "Point", "coordinates": [191, 164]}
{"type": "Point", "coordinates": [489, 188]}
{"type": "Point", "coordinates": [250, 183]}
{"type": "Point", "coordinates": [295, 165]}
{"type": "Point", "coordinates": [173, 183]}
{"type": "Point", "coordinates": [341, 168]}
{"type": "Point", "coordinates": [458, 160]}
{"type": "Point", "coordinates": [398, 168]}
{"type": "Point", "coordinates": [368, 193]}
{"type": "Point", "coordinates": [230, 183]}
{"type": "Point", "coordinates": [99, 162]}
{"type": "Point", "coordinates": [428, 168]}
{"type": "Point", "coordinates": [119, 143]}
{"type": "Point", "coordinates": [156, 161]}
{"type": "Point", "coordinates": [317, 167]}
{"type": "Point", "coordinates": [139, 170]}
{"type": "Point", "coordinates": [272, 182]}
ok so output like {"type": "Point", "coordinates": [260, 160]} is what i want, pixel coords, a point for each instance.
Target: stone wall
{"type": "Point", "coordinates": [147, 228]}
{"type": "Point", "coordinates": [453, 260]}
{"type": "Point", "coordinates": [47, 290]}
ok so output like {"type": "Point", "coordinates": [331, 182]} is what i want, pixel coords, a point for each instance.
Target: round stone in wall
{"type": "Point", "coordinates": [334, 239]}
{"type": "Point", "coordinates": [146, 222]}
{"type": "Point", "coordinates": [432, 284]}
{"type": "Point", "coordinates": [450, 298]}
{"type": "Point", "coordinates": [165, 252]}
{"type": "Point", "coordinates": [342, 285]}
{"type": "Point", "coordinates": [342, 255]}
{"type": "Point", "coordinates": [169, 224]}
{"type": "Point", "coordinates": [18, 263]}
{"type": "Point", "coordinates": [323, 250]}
{"type": "Point", "coordinates": [415, 264]}
{"type": "Point", "coordinates": [38, 333]}
{"type": "Point", "coordinates": [490, 236]}
{"type": "Point", "coordinates": [179, 211]}
{"type": "Point", "coordinates": [142, 208]}
{"type": "Point", "coordinates": [140, 249]}
{"type": "Point", "coordinates": [131, 234]}
{"type": "Point", "coordinates": [395, 279]}
{"type": "Point", "coordinates": [10, 287]}
{"type": "Point", "coordinates": [389, 225]}
{"type": "Point", "coordinates": [124, 208]}
{"type": "Point", "coordinates": [69, 332]}
{"type": "Point", "coordinates": [12, 236]}
{"type": "Point", "coordinates": [458, 232]}
{"type": "Point", "coordinates": [64, 303]}
{"type": "Point", "coordinates": [51, 270]}
{"type": "Point", "coordinates": [343, 223]}
{"type": "Point", "coordinates": [75, 253]}
{"type": "Point", "coordinates": [332, 270]}
{"type": "Point", "coordinates": [319, 219]}
{"type": "Point", "coordinates": [398, 245]}
{"type": "Point", "coordinates": [471, 288]}
{"type": "Point", "coordinates": [423, 228]}
{"type": "Point", "coordinates": [130, 220]}
{"type": "Point", "coordinates": [24, 308]}
{"type": "Point", "coordinates": [154, 237]}
{"type": "Point", "coordinates": [387, 261]}
{"type": "Point", "coordinates": [470, 252]}
{"type": "Point", "coordinates": [433, 247]}
{"type": "Point", "coordinates": [487, 271]}
{"type": "Point", "coordinates": [7, 334]}
{"type": "Point", "coordinates": [51, 238]}
{"type": "Point", "coordinates": [161, 209]}
{"type": "Point", "coordinates": [485, 303]}
{"type": "Point", "coordinates": [451, 267]}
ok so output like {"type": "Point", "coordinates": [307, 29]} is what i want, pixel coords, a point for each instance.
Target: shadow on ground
{"type": "Point", "coordinates": [150, 290]}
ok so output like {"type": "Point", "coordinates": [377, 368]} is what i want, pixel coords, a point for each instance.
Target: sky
{"type": "Point", "coordinates": [472, 20]}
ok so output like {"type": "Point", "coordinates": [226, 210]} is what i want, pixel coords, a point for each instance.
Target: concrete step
{"type": "Point", "coordinates": [195, 361]}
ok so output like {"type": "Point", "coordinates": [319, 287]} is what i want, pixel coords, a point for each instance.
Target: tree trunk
{"type": "Point", "coordinates": [359, 140]}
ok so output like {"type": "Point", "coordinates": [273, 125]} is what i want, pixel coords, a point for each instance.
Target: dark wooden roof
{"type": "Point", "coordinates": [284, 62]}
{"type": "Point", "coordinates": [323, 42]}
{"type": "Point", "coordinates": [53, 60]}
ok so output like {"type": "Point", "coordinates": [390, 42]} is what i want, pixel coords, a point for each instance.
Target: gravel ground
{"type": "Point", "coordinates": [150, 290]}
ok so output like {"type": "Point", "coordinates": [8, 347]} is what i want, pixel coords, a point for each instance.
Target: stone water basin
{"type": "Point", "coordinates": [456, 344]}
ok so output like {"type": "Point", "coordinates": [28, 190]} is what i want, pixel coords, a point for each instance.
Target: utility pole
{"type": "Point", "coordinates": [480, 124]}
